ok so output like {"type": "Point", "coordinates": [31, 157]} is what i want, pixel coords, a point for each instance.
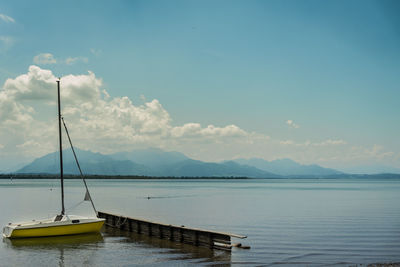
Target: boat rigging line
{"type": "Point", "coordinates": [87, 195]}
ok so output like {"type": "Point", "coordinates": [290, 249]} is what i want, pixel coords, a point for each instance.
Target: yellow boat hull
{"type": "Point", "coordinates": [59, 230]}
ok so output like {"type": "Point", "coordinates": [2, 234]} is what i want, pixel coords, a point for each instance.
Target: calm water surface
{"type": "Point", "coordinates": [309, 222]}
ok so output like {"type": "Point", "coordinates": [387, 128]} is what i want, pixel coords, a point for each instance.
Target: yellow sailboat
{"type": "Point", "coordinates": [61, 224]}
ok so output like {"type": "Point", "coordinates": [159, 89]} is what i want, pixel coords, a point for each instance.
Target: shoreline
{"type": "Point", "coordinates": [119, 177]}
{"type": "Point", "coordinates": [17, 176]}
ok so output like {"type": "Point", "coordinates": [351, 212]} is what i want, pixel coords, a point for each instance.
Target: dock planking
{"type": "Point", "coordinates": [182, 234]}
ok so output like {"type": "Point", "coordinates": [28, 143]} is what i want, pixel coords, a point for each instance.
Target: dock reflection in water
{"type": "Point", "coordinates": [127, 249]}
{"type": "Point", "coordinates": [170, 249]}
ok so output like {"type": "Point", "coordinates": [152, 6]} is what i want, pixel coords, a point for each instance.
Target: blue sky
{"type": "Point", "coordinates": [330, 67]}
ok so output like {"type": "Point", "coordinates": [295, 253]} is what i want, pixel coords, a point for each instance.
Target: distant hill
{"type": "Point", "coordinates": [151, 157]}
{"type": "Point", "coordinates": [288, 167]}
{"type": "Point", "coordinates": [155, 162]}
{"type": "Point", "coordinates": [149, 162]}
{"type": "Point", "coordinates": [198, 168]}
{"type": "Point", "coordinates": [164, 163]}
{"type": "Point", "coordinates": [371, 169]}
{"type": "Point", "coordinates": [91, 163]}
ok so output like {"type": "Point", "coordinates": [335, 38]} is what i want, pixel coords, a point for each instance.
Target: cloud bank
{"type": "Point", "coordinates": [48, 58]}
{"type": "Point", "coordinates": [97, 121]}
{"type": "Point", "coordinates": [102, 123]}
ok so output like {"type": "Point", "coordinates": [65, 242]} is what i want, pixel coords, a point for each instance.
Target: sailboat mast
{"type": "Point", "coordinates": [61, 158]}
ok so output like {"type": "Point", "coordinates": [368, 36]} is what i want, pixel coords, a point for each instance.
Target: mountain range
{"type": "Point", "coordinates": [288, 167]}
{"type": "Point", "coordinates": [156, 162]}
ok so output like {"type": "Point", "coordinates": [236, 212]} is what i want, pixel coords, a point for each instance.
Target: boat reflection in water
{"type": "Point", "coordinates": [93, 250]}
{"type": "Point", "coordinates": [58, 245]}
{"type": "Point", "coordinates": [55, 241]}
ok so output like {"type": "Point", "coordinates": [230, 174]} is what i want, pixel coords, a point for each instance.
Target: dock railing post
{"type": "Point", "coordinates": [182, 234]}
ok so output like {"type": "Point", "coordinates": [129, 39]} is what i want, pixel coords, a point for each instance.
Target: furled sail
{"type": "Point", "coordinates": [87, 196]}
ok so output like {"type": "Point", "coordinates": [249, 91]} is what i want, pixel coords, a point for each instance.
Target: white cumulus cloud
{"type": "Point", "coordinates": [190, 130]}
{"type": "Point", "coordinates": [44, 59]}
{"type": "Point", "coordinates": [6, 42]}
{"type": "Point", "coordinates": [330, 142]}
{"type": "Point", "coordinates": [96, 52]}
{"type": "Point", "coordinates": [286, 142]}
{"type": "Point", "coordinates": [96, 120]}
{"type": "Point", "coordinates": [73, 60]}
{"type": "Point", "coordinates": [291, 124]}
{"type": "Point", "coordinates": [6, 18]}
{"type": "Point", "coordinates": [48, 58]}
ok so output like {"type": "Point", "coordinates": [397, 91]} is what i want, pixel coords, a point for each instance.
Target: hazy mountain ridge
{"type": "Point", "coordinates": [288, 167]}
{"type": "Point", "coordinates": [371, 169]}
{"type": "Point", "coordinates": [198, 168]}
{"type": "Point", "coordinates": [153, 157]}
{"type": "Point", "coordinates": [90, 162]}
{"type": "Point", "coordinates": [158, 163]}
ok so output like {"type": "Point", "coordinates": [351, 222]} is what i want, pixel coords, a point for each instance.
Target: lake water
{"type": "Point", "coordinates": [290, 222]}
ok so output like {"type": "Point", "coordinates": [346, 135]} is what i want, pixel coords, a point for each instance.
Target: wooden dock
{"type": "Point", "coordinates": [182, 234]}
